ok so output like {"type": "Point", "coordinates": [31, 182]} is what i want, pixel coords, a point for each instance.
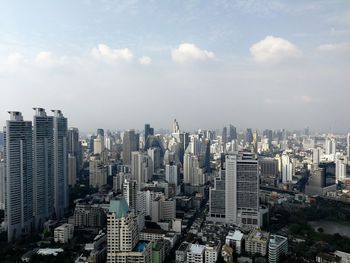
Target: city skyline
{"type": "Point", "coordinates": [117, 64]}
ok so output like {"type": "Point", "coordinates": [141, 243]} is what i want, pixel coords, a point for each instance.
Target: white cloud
{"type": "Point", "coordinates": [145, 60]}
{"type": "Point", "coordinates": [339, 47]}
{"type": "Point", "coordinates": [108, 54]}
{"type": "Point", "coordinates": [187, 52]}
{"type": "Point", "coordinates": [272, 50]}
{"type": "Point", "coordinates": [44, 58]}
{"type": "Point", "coordinates": [14, 59]}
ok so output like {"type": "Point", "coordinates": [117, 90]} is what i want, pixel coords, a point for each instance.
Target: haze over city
{"type": "Point", "coordinates": [117, 64]}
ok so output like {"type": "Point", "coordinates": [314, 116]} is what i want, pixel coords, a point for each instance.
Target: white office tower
{"type": "Point", "coordinates": [108, 143]}
{"type": "Point", "coordinates": [43, 169]}
{"type": "Point", "coordinates": [330, 147]}
{"type": "Point", "coordinates": [60, 164]}
{"type": "Point", "coordinates": [2, 185]}
{"type": "Point", "coordinates": [145, 199]}
{"type": "Point", "coordinates": [98, 145]}
{"type": "Point", "coordinates": [287, 168]}
{"type": "Point", "coordinates": [340, 168]}
{"type": "Point", "coordinates": [171, 174]}
{"type": "Point", "coordinates": [72, 169]}
{"type": "Point", "coordinates": [130, 193]}
{"type": "Point", "coordinates": [278, 245]}
{"type": "Point", "coordinates": [242, 190]}
{"type": "Point", "coordinates": [317, 155]}
{"type": "Point", "coordinates": [123, 243]}
{"type": "Point", "coordinates": [141, 168]}
{"type": "Point", "coordinates": [193, 175]}
{"type": "Point", "coordinates": [18, 155]}
{"type": "Point", "coordinates": [97, 172]}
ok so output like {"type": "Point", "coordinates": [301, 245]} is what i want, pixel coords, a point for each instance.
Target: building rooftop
{"type": "Point", "coordinates": [119, 206]}
{"type": "Point", "coordinates": [276, 240]}
{"type": "Point", "coordinates": [141, 246]}
{"type": "Point", "coordinates": [197, 249]}
{"type": "Point", "coordinates": [49, 251]}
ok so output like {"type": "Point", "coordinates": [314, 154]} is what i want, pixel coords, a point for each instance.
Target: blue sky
{"type": "Point", "coordinates": [118, 64]}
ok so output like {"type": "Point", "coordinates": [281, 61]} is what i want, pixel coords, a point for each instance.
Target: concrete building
{"type": "Point", "coordinates": [72, 170]}
{"type": "Point", "coordinates": [217, 210]}
{"type": "Point", "coordinates": [141, 168]}
{"type": "Point", "coordinates": [60, 164]}
{"type": "Point", "coordinates": [257, 242]}
{"type": "Point", "coordinates": [18, 155]}
{"type": "Point", "coordinates": [278, 245]}
{"type": "Point", "coordinates": [43, 172]}
{"type": "Point", "coordinates": [123, 243]}
{"type": "Point", "coordinates": [235, 240]}
{"type": "Point", "coordinates": [171, 175]}
{"type": "Point", "coordinates": [211, 252]}
{"type": "Point", "coordinates": [87, 215]}
{"type": "Point", "coordinates": [242, 190]}
{"type": "Point", "coordinates": [130, 144]}
{"type": "Point", "coordinates": [97, 172]}
{"type": "Point", "coordinates": [195, 253]}
{"type": "Point", "coordinates": [99, 144]}
{"type": "Point", "coordinates": [63, 233]}
{"type": "Point", "coordinates": [130, 193]}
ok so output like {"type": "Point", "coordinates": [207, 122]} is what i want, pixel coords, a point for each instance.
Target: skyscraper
{"type": "Point", "coordinates": [60, 163]}
{"type": "Point", "coordinates": [141, 168]}
{"type": "Point", "coordinates": [148, 131]}
{"type": "Point", "coordinates": [130, 144]}
{"type": "Point", "coordinates": [224, 137]}
{"type": "Point", "coordinates": [97, 172]}
{"type": "Point", "coordinates": [249, 136]}
{"type": "Point", "coordinates": [130, 193]}
{"type": "Point", "coordinates": [18, 151]}
{"type": "Point", "coordinates": [242, 190]}
{"type": "Point", "coordinates": [43, 169]}
{"type": "Point", "coordinates": [232, 133]}
{"type": "Point", "coordinates": [74, 147]}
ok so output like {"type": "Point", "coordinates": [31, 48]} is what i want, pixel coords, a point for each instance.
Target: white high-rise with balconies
{"type": "Point", "coordinates": [43, 176]}
{"type": "Point", "coordinates": [60, 163]}
{"type": "Point", "coordinates": [18, 155]}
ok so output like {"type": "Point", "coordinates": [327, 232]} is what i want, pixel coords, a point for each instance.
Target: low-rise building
{"type": "Point", "coordinates": [212, 251]}
{"type": "Point", "coordinates": [256, 242]}
{"type": "Point", "coordinates": [278, 245]}
{"type": "Point", "coordinates": [235, 240]}
{"type": "Point", "coordinates": [195, 253]}
{"type": "Point", "coordinates": [63, 233]}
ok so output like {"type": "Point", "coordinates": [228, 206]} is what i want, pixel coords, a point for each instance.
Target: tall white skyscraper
{"type": "Point", "coordinates": [330, 146]}
{"type": "Point", "coordinates": [18, 151]}
{"type": "Point", "coordinates": [60, 163]}
{"type": "Point", "coordinates": [43, 169]}
{"type": "Point", "coordinates": [98, 144]}
{"type": "Point", "coordinates": [340, 168]}
{"type": "Point", "coordinates": [193, 175]}
{"type": "Point", "coordinates": [130, 193]}
{"type": "Point", "coordinates": [287, 167]}
{"type": "Point", "coordinates": [242, 190]}
{"type": "Point", "coordinates": [141, 168]}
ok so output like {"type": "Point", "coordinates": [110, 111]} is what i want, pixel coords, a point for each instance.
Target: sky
{"type": "Point", "coordinates": [119, 64]}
